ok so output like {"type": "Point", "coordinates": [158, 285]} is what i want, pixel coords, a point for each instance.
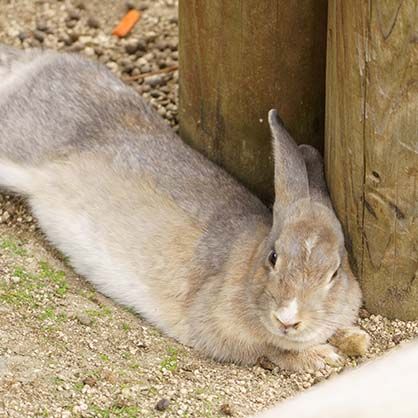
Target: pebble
{"type": "Point", "coordinates": [5, 217]}
{"type": "Point", "coordinates": [265, 363]}
{"type": "Point", "coordinates": [74, 36]}
{"type": "Point", "coordinates": [135, 45]}
{"type": "Point", "coordinates": [89, 51]}
{"type": "Point", "coordinates": [23, 36]}
{"type": "Point", "coordinates": [42, 26]}
{"type": "Point", "coordinates": [113, 66]}
{"type": "Point", "coordinates": [80, 5]}
{"type": "Point", "coordinates": [131, 4]}
{"type": "Point", "coordinates": [162, 404]}
{"type": "Point", "coordinates": [153, 80]}
{"type": "Point", "coordinates": [226, 409]}
{"type": "Point", "coordinates": [90, 381]}
{"type": "Point", "coordinates": [83, 319]}
{"type": "Point", "coordinates": [74, 14]}
{"type": "Point", "coordinates": [93, 23]}
{"type": "Point", "coordinates": [70, 24]}
{"type": "Point", "coordinates": [38, 35]}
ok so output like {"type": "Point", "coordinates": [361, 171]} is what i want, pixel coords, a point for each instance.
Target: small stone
{"type": "Point", "coordinates": [131, 47]}
{"type": "Point", "coordinates": [38, 35]}
{"type": "Point", "coordinates": [75, 48]}
{"type": "Point", "coordinates": [397, 338]}
{"type": "Point", "coordinates": [70, 24]}
{"type": "Point", "coordinates": [89, 51]}
{"type": "Point", "coordinates": [93, 23]}
{"type": "Point", "coordinates": [265, 363]}
{"type": "Point", "coordinates": [83, 318]}
{"type": "Point", "coordinates": [80, 5]}
{"type": "Point", "coordinates": [5, 217]}
{"type": "Point", "coordinates": [226, 409]}
{"type": "Point", "coordinates": [153, 80]}
{"type": "Point", "coordinates": [130, 4]}
{"type": "Point", "coordinates": [318, 379]}
{"type": "Point", "coordinates": [136, 45]}
{"type": "Point", "coordinates": [90, 381]}
{"type": "Point", "coordinates": [113, 66]}
{"type": "Point", "coordinates": [42, 26]}
{"type": "Point", "coordinates": [74, 14]}
{"type": "Point", "coordinates": [85, 39]}
{"type": "Point", "coordinates": [126, 66]}
{"type": "Point", "coordinates": [74, 36]}
{"type": "Point", "coordinates": [145, 68]}
{"type": "Point", "coordinates": [162, 404]}
{"type": "Point", "coordinates": [98, 50]}
{"type": "Point", "coordinates": [161, 111]}
{"type": "Point", "coordinates": [174, 19]}
{"type": "Point", "coordinates": [150, 37]}
{"type": "Point", "coordinates": [66, 39]}
{"type": "Point", "coordinates": [22, 36]}
{"type": "Point", "coordinates": [155, 93]}
{"type": "Point", "coordinates": [144, 88]}
{"type": "Point", "coordinates": [110, 377]}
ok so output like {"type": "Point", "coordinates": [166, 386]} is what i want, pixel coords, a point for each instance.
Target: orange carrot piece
{"type": "Point", "coordinates": [127, 23]}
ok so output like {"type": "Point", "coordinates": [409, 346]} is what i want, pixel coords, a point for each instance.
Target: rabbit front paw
{"type": "Point", "coordinates": [352, 341]}
{"type": "Point", "coordinates": [312, 359]}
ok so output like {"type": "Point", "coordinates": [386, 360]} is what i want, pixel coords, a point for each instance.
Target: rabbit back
{"type": "Point", "coordinates": [67, 106]}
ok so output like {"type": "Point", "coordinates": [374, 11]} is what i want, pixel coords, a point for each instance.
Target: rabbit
{"type": "Point", "coordinates": [156, 226]}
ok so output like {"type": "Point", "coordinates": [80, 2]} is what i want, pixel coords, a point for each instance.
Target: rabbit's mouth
{"type": "Point", "coordinates": [295, 339]}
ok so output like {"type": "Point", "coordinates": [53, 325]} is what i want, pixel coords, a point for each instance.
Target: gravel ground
{"type": "Point", "coordinates": [67, 351]}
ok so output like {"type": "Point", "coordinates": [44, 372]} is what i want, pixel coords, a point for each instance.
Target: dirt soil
{"type": "Point", "coordinates": [66, 350]}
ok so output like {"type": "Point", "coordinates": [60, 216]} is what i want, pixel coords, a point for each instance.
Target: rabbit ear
{"type": "Point", "coordinates": [318, 189]}
{"type": "Point", "coordinates": [290, 176]}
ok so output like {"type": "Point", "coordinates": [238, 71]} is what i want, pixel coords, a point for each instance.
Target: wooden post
{"type": "Point", "coordinates": [238, 59]}
{"type": "Point", "coordinates": [372, 145]}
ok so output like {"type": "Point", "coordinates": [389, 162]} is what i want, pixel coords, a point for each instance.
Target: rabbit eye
{"type": "Point", "coordinates": [272, 257]}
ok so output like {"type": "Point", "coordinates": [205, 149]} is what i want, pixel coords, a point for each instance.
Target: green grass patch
{"type": "Point", "coordinates": [21, 292]}
{"type": "Point", "coordinates": [49, 314]}
{"type": "Point", "coordinates": [78, 386]}
{"type": "Point", "coordinates": [102, 312]}
{"type": "Point", "coordinates": [170, 362]}
{"type": "Point", "coordinates": [104, 357]}
{"type": "Point", "coordinates": [26, 286]}
{"type": "Point", "coordinates": [56, 276]}
{"type": "Point", "coordinates": [13, 246]}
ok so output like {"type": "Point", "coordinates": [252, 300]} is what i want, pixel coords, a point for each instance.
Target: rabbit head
{"type": "Point", "coordinates": [305, 289]}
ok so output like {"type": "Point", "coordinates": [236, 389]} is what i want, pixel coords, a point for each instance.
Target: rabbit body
{"type": "Point", "coordinates": [149, 221]}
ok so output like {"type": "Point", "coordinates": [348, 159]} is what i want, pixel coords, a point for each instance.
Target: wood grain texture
{"type": "Point", "coordinates": [238, 59]}
{"type": "Point", "coordinates": [371, 145]}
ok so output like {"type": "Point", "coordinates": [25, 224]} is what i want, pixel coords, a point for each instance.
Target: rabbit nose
{"type": "Point", "coordinates": [288, 315]}
{"type": "Point", "coordinates": [287, 325]}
